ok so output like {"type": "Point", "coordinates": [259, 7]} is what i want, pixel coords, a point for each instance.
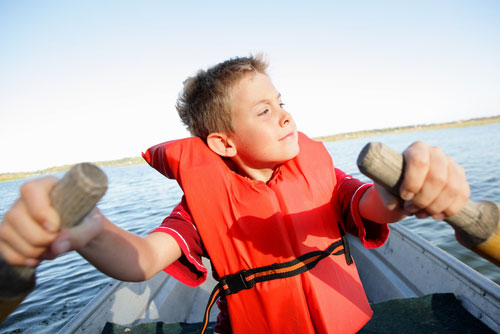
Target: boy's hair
{"type": "Point", "coordinates": [203, 105]}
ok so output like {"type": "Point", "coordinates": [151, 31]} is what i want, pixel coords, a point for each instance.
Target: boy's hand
{"type": "Point", "coordinates": [29, 231]}
{"type": "Point", "coordinates": [433, 184]}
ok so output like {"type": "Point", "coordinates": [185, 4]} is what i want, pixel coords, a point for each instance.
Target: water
{"type": "Point", "coordinates": [139, 198]}
{"type": "Point", "coordinates": [477, 149]}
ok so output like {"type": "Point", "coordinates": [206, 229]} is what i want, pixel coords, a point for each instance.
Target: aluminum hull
{"type": "Point", "coordinates": [406, 266]}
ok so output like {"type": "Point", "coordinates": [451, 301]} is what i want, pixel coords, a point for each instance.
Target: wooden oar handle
{"type": "Point", "coordinates": [74, 196]}
{"type": "Point", "coordinates": [477, 226]}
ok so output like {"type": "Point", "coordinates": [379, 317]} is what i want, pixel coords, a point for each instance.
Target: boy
{"type": "Point", "coordinates": [263, 198]}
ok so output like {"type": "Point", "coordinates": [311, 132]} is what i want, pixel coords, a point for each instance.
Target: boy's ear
{"type": "Point", "coordinates": [221, 144]}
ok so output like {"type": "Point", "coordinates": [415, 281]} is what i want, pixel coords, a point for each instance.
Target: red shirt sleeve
{"type": "Point", "coordinates": [189, 268]}
{"type": "Point", "coordinates": [348, 192]}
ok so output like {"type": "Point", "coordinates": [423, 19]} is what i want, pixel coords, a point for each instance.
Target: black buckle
{"type": "Point", "coordinates": [236, 282]}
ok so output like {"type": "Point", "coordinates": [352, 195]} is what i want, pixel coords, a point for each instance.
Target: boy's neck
{"type": "Point", "coordinates": [258, 174]}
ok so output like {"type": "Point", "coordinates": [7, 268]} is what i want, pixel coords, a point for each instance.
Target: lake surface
{"type": "Point", "coordinates": [139, 198]}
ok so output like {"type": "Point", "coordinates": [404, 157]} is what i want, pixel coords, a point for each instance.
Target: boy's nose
{"type": "Point", "coordinates": [286, 118]}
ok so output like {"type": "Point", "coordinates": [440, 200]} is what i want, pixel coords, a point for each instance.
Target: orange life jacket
{"type": "Point", "coordinates": [247, 224]}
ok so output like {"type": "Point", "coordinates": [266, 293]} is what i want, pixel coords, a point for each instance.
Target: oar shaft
{"type": "Point", "coordinates": [476, 225]}
{"type": "Point", "coordinates": [74, 196]}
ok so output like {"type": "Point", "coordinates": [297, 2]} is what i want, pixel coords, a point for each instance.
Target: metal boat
{"type": "Point", "coordinates": [406, 266]}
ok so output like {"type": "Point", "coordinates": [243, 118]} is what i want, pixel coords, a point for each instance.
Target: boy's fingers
{"type": "Point", "coordinates": [417, 160]}
{"type": "Point", "coordinates": [12, 257]}
{"type": "Point", "coordinates": [36, 196]}
{"type": "Point", "coordinates": [454, 195]}
{"type": "Point", "coordinates": [14, 249]}
{"type": "Point", "coordinates": [434, 185]}
{"type": "Point", "coordinates": [435, 181]}
{"type": "Point", "coordinates": [21, 235]}
{"type": "Point", "coordinates": [19, 221]}
{"type": "Point", "coordinates": [16, 243]}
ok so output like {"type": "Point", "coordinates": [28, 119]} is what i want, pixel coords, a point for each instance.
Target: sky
{"type": "Point", "coordinates": [98, 80]}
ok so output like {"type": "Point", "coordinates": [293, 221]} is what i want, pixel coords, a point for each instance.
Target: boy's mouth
{"type": "Point", "coordinates": [291, 134]}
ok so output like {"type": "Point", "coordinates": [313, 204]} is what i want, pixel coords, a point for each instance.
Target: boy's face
{"type": "Point", "coordinates": [265, 135]}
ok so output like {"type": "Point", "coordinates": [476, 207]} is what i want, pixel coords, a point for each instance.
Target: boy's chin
{"type": "Point", "coordinates": [293, 153]}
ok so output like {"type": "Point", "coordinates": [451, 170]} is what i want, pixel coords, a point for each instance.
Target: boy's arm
{"type": "Point", "coordinates": [433, 185]}
{"type": "Point", "coordinates": [127, 256]}
{"type": "Point", "coordinates": [29, 233]}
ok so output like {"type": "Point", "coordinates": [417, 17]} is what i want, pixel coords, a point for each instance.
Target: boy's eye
{"type": "Point", "coordinates": [282, 104]}
{"type": "Point", "coordinates": [263, 112]}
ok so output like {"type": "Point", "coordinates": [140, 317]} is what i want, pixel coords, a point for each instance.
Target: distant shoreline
{"type": "Point", "coordinates": [411, 128]}
{"type": "Point", "coordinates": [115, 163]}
{"type": "Point", "coordinates": [341, 136]}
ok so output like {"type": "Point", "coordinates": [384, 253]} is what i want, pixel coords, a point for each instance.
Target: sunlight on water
{"type": "Point", "coordinates": [139, 198]}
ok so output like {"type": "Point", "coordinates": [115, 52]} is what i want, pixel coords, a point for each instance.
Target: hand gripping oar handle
{"type": "Point", "coordinates": [477, 226]}
{"type": "Point", "coordinates": [74, 196]}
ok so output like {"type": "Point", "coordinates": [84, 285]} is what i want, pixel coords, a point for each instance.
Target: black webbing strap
{"type": "Point", "coordinates": [347, 250]}
{"type": "Point", "coordinates": [246, 279]}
